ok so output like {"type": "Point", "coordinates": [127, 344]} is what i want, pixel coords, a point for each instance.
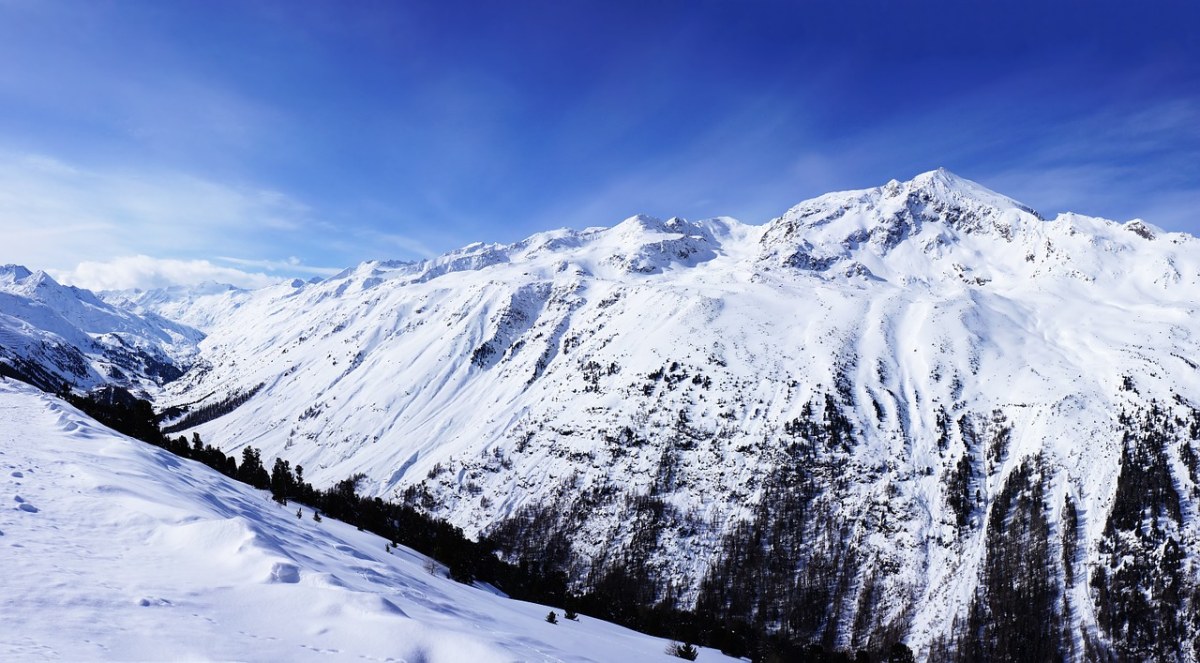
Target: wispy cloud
{"type": "Point", "coordinates": [146, 272]}
{"type": "Point", "coordinates": [57, 215]}
{"type": "Point", "coordinates": [1114, 162]}
{"type": "Point", "coordinates": [292, 265]}
{"type": "Point", "coordinates": [389, 241]}
{"type": "Point", "coordinates": [151, 226]}
{"type": "Point", "coordinates": [120, 74]}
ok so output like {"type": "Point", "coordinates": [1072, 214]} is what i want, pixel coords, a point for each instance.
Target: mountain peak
{"type": "Point", "coordinates": [847, 226]}
{"type": "Point", "coordinates": [20, 279]}
{"type": "Point", "coordinates": [947, 187]}
{"type": "Point", "coordinates": [15, 272]}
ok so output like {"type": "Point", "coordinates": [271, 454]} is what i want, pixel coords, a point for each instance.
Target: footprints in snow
{"type": "Point", "coordinates": [353, 552]}
{"type": "Point", "coordinates": [320, 650]}
{"type": "Point", "coordinates": [23, 505]}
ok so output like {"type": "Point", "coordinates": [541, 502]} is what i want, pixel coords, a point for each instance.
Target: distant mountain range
{"type": "Point", "coordinates": [55, 335]}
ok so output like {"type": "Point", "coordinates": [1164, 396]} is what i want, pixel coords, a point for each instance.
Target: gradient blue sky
{"type": "Point", "coordinates": [151, 142]}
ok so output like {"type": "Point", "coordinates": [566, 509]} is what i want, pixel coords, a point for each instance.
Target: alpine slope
{"type": "Point", "coordinates": [117, 550]}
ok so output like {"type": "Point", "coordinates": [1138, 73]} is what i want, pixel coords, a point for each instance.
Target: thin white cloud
{"type": "Point", "coordinates": [151, 228]}
{"type": "Point", "coordinates": [292, 265]}
{"type": "Point", "coordinates": [145, 272]}
{"type": "Point", "coordinates": [55, 215]}
{"type": "Point", "coordinates": [1098, 165]}
{"type": "Point", "coordinates": [404, 242]}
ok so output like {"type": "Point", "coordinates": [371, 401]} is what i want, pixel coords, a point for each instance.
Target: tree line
{"type": "Point", "coordinates": [612, 598]}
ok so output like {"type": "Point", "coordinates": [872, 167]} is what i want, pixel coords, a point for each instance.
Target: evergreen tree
{"type": "Point", "coordinates": [282, 481]}
{"type": "Point", "coordinates": [1142, 589]}
{"type": "Point", "coordinates": [686, 651]}
{"type": "Point", "coordinates": [304, 492]}
{"type": "Point", "coordinates": [900, 653]}
{"type": "Point", "coordinates": [1016, 612]}
{"type": "Point", "coordinates": [251, 470]}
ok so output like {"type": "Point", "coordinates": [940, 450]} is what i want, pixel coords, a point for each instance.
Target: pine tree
{"type": "Point", "coordinates": [251, 470]}
{"type": "Point", "coordinates": [901, 654]}
{"type": "Point", "coordinates": [303, 492]}
{"type": "Point", "coordinates": [686, 651]}
{"type": "Point", "coordinates": [281, 481]}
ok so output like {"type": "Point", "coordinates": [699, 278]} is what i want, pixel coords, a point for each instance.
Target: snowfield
{"type": "Point", "coordinates": [116, 550]}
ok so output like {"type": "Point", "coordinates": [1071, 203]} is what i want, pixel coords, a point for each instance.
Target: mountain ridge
{"type": "Point", "coordinates": [653, 379]}
{"type": "Point", "coordinates": [868, 388]}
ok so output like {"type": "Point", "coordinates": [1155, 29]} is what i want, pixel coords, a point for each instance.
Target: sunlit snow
{"type": "Point", "coordinates": [115, 550]}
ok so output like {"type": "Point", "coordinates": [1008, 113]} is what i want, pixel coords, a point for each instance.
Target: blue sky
{"type": "Point", "coordinates": [146, 143]}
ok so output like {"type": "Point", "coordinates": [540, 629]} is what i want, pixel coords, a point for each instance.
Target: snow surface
{"type": "Point", "coordinates": [116, 550]}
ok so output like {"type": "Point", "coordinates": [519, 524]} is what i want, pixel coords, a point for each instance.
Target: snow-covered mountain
{"type": "Point", "coordinates": [198, 306]}
{"type": "Point", "coordinates": [53, 335]}
{"type": "Point", "coordinates": [856, 423]}
{"type": "Point", "coordinates": [116, 550]}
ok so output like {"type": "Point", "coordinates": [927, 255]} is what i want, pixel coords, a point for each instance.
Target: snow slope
{"type": "Point", "coordinates": [116, 550]}
{"type": "Point", "coordinates": [675, 360]}
{"type": "Point", "coordinates": [55, 334]}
